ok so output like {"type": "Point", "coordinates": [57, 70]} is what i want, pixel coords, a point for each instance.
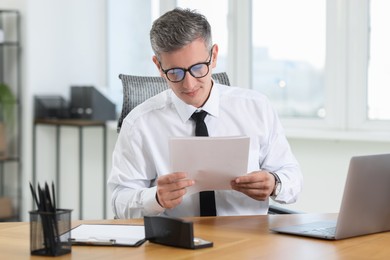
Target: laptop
{"type": "Point", "coordinates": [365, 206]}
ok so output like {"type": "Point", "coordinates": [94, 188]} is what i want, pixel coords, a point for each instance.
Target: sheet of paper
{"type": "Point", "coordinates": [107, 233]}
{"type": "Point", "coordinates": [211, 161]}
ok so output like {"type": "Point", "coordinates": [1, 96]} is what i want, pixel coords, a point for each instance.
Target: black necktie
{"type": "Point", "coordinates": [206, 198]}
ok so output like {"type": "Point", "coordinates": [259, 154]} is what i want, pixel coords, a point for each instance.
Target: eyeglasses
{"type": "Point", "coordinates": [198, 70]}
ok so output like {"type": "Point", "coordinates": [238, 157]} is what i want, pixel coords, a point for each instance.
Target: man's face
{"type": "Point", "coordinates": [193, 91]}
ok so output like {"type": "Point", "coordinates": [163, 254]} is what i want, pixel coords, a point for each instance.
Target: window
{"type": "Point", "coordinates": [323, 64]}
{"type": "Point", "coordinates": [367, 61]}
{"type": "Point", "coordinates": [128, 45]}
{"type": "Point", "coordinates": [218, 22]}
{"type": "Point", "coordinates": [128, 26]}
{"type": "Point", "coordinates": [379, 61]}
{"type": "Point", "coordinates": [288, 55]}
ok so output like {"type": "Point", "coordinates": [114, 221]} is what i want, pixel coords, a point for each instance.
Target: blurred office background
{"type": "Point", "coordinates": [324, 64]}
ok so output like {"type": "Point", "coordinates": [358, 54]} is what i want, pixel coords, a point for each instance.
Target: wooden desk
{"type": "Point", "coordinates": [233, 237]}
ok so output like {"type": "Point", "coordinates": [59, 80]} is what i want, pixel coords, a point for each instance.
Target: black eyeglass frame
{"type": "Point", "coordinates": [189, 69]}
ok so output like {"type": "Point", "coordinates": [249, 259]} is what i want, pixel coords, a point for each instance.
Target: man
{"type": "Point", "coordinates": [141, 181]}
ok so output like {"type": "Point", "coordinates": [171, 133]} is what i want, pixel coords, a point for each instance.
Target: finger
{"type": "Point", "coordinates": [173, 203]}
{"type": "Point", "coordinates": [164, 190]}
{"type": "Point", "coordinates": [256, 194]}
{"type": "Point", "coordinates": [172, 177]}
{"type": "Point", "coordinates": [172, 199]}
{"type": "Point", "coordinates": [249, 178]}
{"type": "Point", "coordinates": [171, 193]}
{"type": "Point", "coordinates": [253, 185]}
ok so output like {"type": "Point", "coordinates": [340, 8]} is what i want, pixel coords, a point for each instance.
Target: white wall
{"type": "Point", "coordinates": [12, 4]}
{"type": "Point", "coordinates": [325, 164]}
{"type": "Point", "coordinates": [65, 44]}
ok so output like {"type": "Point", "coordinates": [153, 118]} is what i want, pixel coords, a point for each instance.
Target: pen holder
{"type": "Point", "coordinates": [50, 232]}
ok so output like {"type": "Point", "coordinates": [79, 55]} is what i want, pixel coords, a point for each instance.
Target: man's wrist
{"type": "Point", "coordinates": [277, 186]}
{"type": "Point", "coordinates": [158, 201]}
{"type": "Point", "coordinates": [150, 204]}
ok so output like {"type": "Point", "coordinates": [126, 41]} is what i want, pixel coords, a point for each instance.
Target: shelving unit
{"type": "Point", "coordinates": [79, 124]}
{"type": "Point", "coordinates": [10, 155]}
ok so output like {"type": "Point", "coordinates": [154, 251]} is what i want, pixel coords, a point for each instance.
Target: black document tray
{"type": "Point", "coordinates": [172, 232]}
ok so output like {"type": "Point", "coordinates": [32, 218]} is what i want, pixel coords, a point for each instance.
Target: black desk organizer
{"type": "Point", "coordinates": [172, 232]}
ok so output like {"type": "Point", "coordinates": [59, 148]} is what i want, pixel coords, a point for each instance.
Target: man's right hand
{"type": "Point", "coordinates": [171, 189]}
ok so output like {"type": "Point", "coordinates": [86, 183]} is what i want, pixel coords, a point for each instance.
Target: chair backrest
{"type": "Point", "coordinates": [136, 89]}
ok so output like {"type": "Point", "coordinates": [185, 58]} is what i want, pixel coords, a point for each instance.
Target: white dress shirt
{"type": "Point", "coordinates": [141, 153]}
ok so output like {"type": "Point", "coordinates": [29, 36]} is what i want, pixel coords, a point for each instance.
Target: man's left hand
{"type": "Point", "coordinates": [258, 185]}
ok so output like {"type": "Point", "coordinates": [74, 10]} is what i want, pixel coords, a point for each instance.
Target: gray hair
{"type": "Point", "coordinates": [177, 28]}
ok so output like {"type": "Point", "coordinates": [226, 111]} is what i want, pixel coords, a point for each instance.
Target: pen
{"type": "Point", "coordinates": [54, 197]}
{"type": "Point", "coordinates": [47, 213]}
{"type": "Point", "coordinates": [94, 241]}
{"type": "Point", "coordinates": [34, 195]}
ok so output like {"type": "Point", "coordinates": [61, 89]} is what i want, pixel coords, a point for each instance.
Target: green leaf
{"type": "Point", "coordinates": [7, 102]}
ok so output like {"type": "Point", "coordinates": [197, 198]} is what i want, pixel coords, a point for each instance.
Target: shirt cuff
{"type": "Point", "coordinates": [280, 198]}
{"type": "Point", "coordinates": [151, 206]}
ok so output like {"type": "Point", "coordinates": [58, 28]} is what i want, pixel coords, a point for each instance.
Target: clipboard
{"type": "Point", "coordinates": [108, 235]}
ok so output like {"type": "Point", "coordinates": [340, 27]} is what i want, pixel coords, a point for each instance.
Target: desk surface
{"type": "Point", "coordinates": [246, 237]}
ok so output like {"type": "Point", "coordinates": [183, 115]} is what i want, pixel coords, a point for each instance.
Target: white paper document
{"type": "Point", "coordinates": [108, 234]}
{"type": "Point", "coordinates": [212, 162]}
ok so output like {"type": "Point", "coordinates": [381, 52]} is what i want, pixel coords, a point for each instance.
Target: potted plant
{"type": "Point", "coordinates": [7, 102]}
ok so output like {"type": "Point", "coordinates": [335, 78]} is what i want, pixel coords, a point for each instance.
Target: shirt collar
{"type": "Point", "coordinates": [211, 106]}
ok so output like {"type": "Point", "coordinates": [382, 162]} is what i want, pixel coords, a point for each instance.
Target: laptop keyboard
{"type": "Point", "coordinates": [327, 231]}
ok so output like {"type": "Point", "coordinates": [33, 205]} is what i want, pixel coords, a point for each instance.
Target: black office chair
{"type": "Point", "coordinates": [137, 89]}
